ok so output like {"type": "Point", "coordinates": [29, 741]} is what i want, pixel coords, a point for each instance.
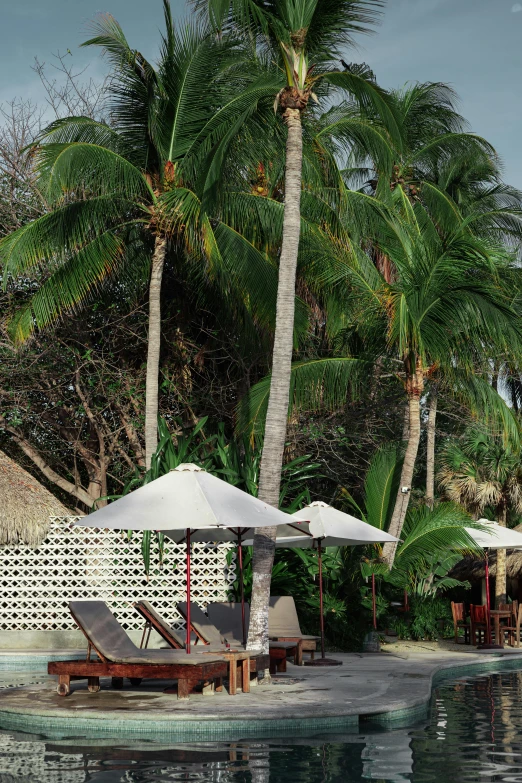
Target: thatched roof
{"type": "Point", "coordinates": [25, 505]}
{"type": "Point", "coordinates": [472, 569]}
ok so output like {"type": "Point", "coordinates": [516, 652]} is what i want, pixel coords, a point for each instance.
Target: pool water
{"type": "Point", "coordinates": [473, 733]}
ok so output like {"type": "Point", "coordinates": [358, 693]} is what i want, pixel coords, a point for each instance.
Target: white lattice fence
{"type": "Point", "coordinates": [78, 562]}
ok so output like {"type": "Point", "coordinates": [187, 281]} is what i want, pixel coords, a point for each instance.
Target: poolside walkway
{"type": "Point", "coordinates": [386, 688]}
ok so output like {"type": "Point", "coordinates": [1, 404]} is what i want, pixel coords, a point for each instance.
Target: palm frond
{"type": "Point", "coordinates": [319, 384]}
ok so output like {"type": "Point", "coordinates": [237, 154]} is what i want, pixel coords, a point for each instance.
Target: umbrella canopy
{"type": "Point", "coordinates": [329, 526]}
{"type": "Point", "coordinates": [187, 498]}
{"type": "Point", "coordinates": [495, 536]}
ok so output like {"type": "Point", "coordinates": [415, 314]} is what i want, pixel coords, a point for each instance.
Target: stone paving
{"type": "Point", "coordinates": [379, 687]}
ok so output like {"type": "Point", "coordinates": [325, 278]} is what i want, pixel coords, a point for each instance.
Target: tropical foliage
{"type": "Point", "coordinates": [249, 255]}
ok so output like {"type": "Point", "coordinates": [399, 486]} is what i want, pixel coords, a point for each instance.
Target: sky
{"type": "Point", "coordinates": [474, 45]}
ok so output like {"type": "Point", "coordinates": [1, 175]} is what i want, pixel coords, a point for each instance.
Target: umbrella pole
{"type": "Point", "coordinates": [488, 643]}
{"type": "Point", "coordinates": [187, 642]}
{"type": "Point", "coordinates": [241, 586]}
{"type": "Point", "coordinates": [488, 600]}
{"type": "Point", "coordinates": [320, 558]}
{"type": "Point", "coordinates": [374, 606]}
{"type": "Point", "coordinates": [323, 660]}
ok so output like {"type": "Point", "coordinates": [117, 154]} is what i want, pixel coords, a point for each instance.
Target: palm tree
{"type": "Point", "coordinates": [126, 195]}
{"type": "Point", "coordinates": [446, 306]}
{"type": "Point", "coordinates": [304, 38]}
{"type": "Point", "coordinates": [440, 164]}
{"type": "Point", "coordinates": [481, 470]}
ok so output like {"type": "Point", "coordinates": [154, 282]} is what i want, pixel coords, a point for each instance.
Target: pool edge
{"type": "Point", "coordinates": [47, 723]}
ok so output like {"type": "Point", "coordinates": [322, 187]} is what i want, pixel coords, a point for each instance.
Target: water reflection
{"type": "Point", "coordinates": [474, 732]}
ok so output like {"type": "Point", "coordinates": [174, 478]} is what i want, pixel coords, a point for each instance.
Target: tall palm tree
{"type": "Point", "coordinates": [305, 38]}
{"type": "Point", "coordinates": [478, 471]}
{"type": "Point", "coordinates": [126, 194]}
{"type": "Point", "coordinates": [440, 164]}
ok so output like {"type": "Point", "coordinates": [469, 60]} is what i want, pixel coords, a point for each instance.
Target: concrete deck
{"type": "Point", "coordinates": [387, 689]}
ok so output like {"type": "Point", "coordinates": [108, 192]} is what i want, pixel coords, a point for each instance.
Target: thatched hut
{"type": "Point", "coordinates": [25, 505]}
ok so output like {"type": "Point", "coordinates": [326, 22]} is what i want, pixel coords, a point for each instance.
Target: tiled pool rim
{"type": "Point", "coordinates": [45, 722]}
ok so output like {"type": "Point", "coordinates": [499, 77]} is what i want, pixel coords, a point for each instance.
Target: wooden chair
{"type": "Point", "coordinates": [478, 623]}
{"type": "Point", "coordinates": [459, 621]}
{"type": "Point", "coordinates": [513, 629]}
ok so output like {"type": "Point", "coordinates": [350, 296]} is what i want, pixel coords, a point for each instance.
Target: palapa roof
{"type": "Point", "coordinates": [473, 568]}
{"type": "Point", "coordinates": [25, 505]}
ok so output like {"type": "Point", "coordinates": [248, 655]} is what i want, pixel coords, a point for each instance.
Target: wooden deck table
{"type": "Point", "coordinates": [498, 615]}
{"type": "Point", "coordinates": [238, 669]}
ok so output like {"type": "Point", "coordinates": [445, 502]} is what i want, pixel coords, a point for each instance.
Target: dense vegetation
{"type": "Point", "coordinates": [142, 233]}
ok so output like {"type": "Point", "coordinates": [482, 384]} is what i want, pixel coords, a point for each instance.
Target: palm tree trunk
{"type": "Point", "coordinates": [430, 455]}
{"type": "Point", "coordinates": [277, 413]}
{"type": "Point", "coordinates": [414, 389]}
{"type": "Point", "coordinates": [501, 579]}
{"type": "Point", "coordinates": [153, 349]}
{"type": "Point", "coordinates": [406, 423]}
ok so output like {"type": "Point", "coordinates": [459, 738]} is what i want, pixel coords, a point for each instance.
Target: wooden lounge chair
{"type": "Point", "coordinates": [283, 623]}
{"type": "Point", "coordinates": [478, 622]}
{"type": "Point", "coordinates": [226, 616]}
{"type": "Point", "coordinates": [241, 668]}
{"type": "Point", "coordinates": [119, 657]}
{"type": "Point", "coordinates": [207, 633]}
{"type": "Point", "coordinates": [459, 621]}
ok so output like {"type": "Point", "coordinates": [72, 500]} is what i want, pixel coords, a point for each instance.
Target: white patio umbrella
{"type": "Point", "coordinates": [493, 536]}
{"type": "Point", "coordinates": [188, 504]}
{"type": "Point", "coordinates": [327, 526]}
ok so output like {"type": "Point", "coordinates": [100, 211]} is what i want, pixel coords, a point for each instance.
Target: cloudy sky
{"type": "Point", "coordinates": [475, 45]}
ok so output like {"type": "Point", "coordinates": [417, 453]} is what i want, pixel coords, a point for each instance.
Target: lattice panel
{"type": "Point", "coordinates": [79, 562]}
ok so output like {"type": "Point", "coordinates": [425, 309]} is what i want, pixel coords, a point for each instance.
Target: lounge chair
{"type": "Point", "coordinates": [209, 634]}
{"type": "Point", "coordinates": [119, 657]}
{"type": "Point", "coordinates": [241, 666]}
{"type": "Point", "coordinates": [283, 624]}
{"type": "Point", "coordinates": [228, 620]}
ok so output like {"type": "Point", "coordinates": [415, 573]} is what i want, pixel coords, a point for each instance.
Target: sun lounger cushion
{"type": "Point", "coordinates": [106, 634]}
{"type": "Point", "coordinates": [282, 618]}
{"type": "Point", "coordinates": [227, 619]}
{"type": "Point", "coordinates": [201, 623]}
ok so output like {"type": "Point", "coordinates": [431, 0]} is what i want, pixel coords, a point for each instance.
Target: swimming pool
{"type": "Point", "coordinates": [474, 732]}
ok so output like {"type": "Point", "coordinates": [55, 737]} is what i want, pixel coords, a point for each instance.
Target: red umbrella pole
{"type": "Point", "coordinates": [187, 643]}
{"type": "Point", "coordinates": [320, 557]}
{"type": "Point", "coordinates": [488, 600]}
{"type": "Point", "coordinates": [374, 606]}
{"type": "Point", "coordinates": [241, 586]}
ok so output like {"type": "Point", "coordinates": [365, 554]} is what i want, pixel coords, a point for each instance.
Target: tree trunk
{"type": "Point", "coordinates": [414, 389]}
{"type": "Point", "coordinates": [430, 455]}
{"type": "Point", "coordinates": [153, 349]}
{"type": "Point", "coordinates": [500, 579]}
{"type": "Point", "coordinates": [406, 423]}
{"type": "Point", "coordinates": [277, 413]}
